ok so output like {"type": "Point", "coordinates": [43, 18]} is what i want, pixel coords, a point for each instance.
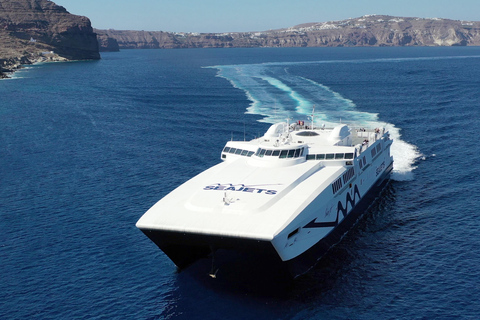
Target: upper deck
{"type": "Point", "coordinates": [297, 143]}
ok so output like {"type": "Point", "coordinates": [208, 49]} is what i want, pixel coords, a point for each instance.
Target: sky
{"type": "Point", "coordinates": [253, 15]}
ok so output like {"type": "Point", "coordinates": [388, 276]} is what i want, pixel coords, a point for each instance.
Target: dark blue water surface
{"type": "Point", "coordinates": [87, 147]}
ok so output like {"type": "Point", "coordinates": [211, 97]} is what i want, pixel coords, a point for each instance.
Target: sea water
{"type": "Point", "coordinates": [87, 147]}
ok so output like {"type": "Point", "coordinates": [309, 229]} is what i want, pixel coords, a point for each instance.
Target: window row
{"type": "Point", "coordinates": [237, 151]}
{"type": "Point", "coordinates": [348, 175]}
{"type": "Point", "coordinates": [377, 150]}
{"type": "Point", "coordinates": [292, 153]}
{"type": "Point", "coordinates": [337, 185]}
{"type": "Point", "coordinates": [330, 156]}
{"type": "Point", "coordinates": [282, 154]}
{"type": "Point", "coordinates": [362, 162]}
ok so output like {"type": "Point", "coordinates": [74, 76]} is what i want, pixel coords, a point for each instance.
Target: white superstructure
{"type": "Point", "coordinates": [290, 194]}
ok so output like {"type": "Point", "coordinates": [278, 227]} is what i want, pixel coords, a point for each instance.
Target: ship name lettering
{"type": "Point", "coordinates": [242, 188]}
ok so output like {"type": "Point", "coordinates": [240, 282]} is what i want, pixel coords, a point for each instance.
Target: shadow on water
{"type": "Point", "coordinates": [265, 290]}
{"type": "Point", "coordinates": [236, 274]}
{"type": "Point", "coordinates": [238, 292]}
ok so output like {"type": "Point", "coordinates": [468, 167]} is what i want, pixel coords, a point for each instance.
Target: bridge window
{"type": "Point", "coordinates": [292, 153]}
{"type": "Point", "coordinates": [241, 152]}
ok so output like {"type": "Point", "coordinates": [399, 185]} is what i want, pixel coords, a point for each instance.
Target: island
{"type": "Point", "coordinates": [369, 30]}
{"type": "Point", "coordinates": [40, 30]}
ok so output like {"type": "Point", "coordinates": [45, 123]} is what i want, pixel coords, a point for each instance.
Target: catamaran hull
{"type": "Point", "coordinates": [305, 261]}
{"type": "Point", "coordinates": [186, 248]}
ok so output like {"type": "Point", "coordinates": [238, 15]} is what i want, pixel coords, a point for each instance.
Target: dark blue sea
{"type": "Point", "coordinates": [87, 147]}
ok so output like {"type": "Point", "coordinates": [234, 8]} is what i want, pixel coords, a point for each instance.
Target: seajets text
{"type": "Point", "coordinates": [380, 168]}
{"type": "Point", "coordinates": [239, 187]}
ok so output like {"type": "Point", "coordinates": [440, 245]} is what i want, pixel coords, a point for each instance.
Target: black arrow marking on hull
{"type": "Point", "coordinates": [340, 208]}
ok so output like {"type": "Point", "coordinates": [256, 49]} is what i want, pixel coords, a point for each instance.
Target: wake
{"type": "Point", "coordinates": [277, 95]}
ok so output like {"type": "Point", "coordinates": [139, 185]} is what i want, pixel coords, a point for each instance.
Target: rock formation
{"type": "Point", "coordinates": [39, 30]}
{"type": "Point", "coordinates": [33, 30]}
{"type": "Point", "coordinates": [371, 30]}
{"type": "Point", "coordinates": [105, 43]}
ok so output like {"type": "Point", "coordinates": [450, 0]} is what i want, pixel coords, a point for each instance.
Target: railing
{"type": "Point", "coordinates": [369, 137]}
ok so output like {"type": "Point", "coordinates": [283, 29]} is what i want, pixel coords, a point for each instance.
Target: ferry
{"type": "Point", "coordinates": [286, 197]}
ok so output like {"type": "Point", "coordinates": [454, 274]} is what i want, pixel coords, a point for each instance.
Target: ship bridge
{"type": "Point", "coordinates": [285, 145]}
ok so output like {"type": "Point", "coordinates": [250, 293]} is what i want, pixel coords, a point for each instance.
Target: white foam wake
{"type": "Point", "coordinates": [404, 154]}
{"type": "Point", "coordinates": [277, 95]}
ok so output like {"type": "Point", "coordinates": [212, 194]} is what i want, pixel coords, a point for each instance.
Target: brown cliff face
{"type": "Point", "coordinates": [106, 43]}
{"type": "Point", "coordinates": [29, 27]}
{"type": "Point", "coordinates": [140, 39]}
{"type": "Point", "coordinates": [374, 30]}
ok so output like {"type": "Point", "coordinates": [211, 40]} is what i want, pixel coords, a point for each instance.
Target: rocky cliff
{"type": "Point", "coordinates": [30, 28]}
{"type": "Point", "coordinates": [371, 30]}
{"type": "Point", "coordinates": [106, 43]}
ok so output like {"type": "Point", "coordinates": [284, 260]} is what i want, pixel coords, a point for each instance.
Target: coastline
{"type": "Point", "coordinates": [10, 65]}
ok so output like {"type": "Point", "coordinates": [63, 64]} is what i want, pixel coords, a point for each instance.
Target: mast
{"type": "Point", "coordinates": [313, 115]}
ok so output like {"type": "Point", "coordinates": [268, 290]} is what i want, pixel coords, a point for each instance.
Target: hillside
{"type": "Point", "coordinates": [39, 30]}
{"type": "Point", "coordinates": [371, 30]}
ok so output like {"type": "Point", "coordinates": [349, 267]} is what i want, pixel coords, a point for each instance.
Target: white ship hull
{"type": "Point", "coordinates": [287, 208]}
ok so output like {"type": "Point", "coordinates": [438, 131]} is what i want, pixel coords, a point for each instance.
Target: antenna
{"type": "Point", "coordinates": [275, 111]}
{"type": "Point", "coordinates": [313, 114]}
{"type": "Point", "coordinates": [244, 139]}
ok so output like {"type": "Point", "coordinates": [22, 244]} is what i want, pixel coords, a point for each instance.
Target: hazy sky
{"type": "Point", "coordinates": [253, 15]}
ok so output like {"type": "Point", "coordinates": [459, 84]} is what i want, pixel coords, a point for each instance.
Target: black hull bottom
{"type": "Point", "coordinates": [254, 256]}
{"type": "Point", "coordinates": [231, 258]}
